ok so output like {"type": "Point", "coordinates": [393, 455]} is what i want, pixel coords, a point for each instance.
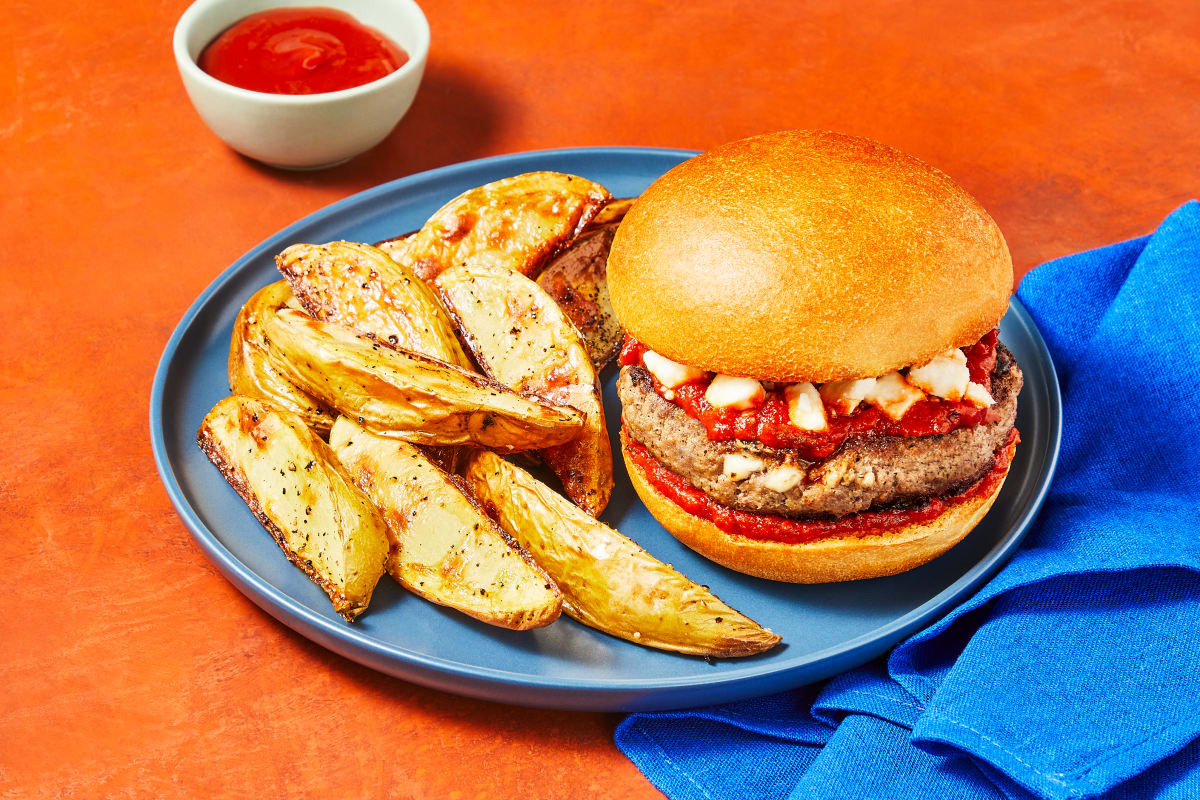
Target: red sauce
{"type": "Point", "coordinates": [300, 51]}
{"type": "Point", "coordinates": [775, 528]}
{"type": "Point", "coordinates": [768, 423]}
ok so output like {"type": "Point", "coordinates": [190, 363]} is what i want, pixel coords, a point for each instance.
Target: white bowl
{"type": "Point", "coordinates": [306, 131]}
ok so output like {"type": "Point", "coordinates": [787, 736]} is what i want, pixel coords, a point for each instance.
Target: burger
{"type": "Point", "coordinates": [811, 383]}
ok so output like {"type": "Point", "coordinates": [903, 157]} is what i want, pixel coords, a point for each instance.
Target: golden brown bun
{"type": "Point", "coordinates": [807, 255]}
{"type": "Point", "coordinates": [846, 558]}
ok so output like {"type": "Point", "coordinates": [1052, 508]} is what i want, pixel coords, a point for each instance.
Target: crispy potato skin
{"type": "Point", "coordinates": [359, 286]}
{"type": "Point", "coordinates": [607, 581]}
{"type": "Point", "coordinates": [518, 223]}
{"type": "Point", "coordinates": [443, 546]}
{"type": "Point", "coordinates": [251, 372]}
{"type": "Point", "coordinates": [408, 396]}
{"type": "Point", "coordinates": [295, 486]}
{"type": "Point", "coordinates": [521, 338]}
{"type": "Point", "coordinates": [577, 281]}
{"type": "Point", "coordinates": [613, 212]}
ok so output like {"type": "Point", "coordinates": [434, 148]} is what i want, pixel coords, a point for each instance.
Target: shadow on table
{"type": "Point", "coordinates": [453, 118]}
{"type": "Point", "coordinates": [397, 696]}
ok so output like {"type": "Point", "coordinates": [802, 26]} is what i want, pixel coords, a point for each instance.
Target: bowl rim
{"type": "Point", "coordinates": [190, 70]}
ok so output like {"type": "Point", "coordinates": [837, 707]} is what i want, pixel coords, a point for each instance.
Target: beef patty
{"type": "Point", "coordinates": [865, 472]}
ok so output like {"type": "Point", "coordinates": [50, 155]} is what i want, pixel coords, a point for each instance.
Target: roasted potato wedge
{"type": "Point", "coordinates": [408, 396]}
{"type": "Point", "coordinates": [519, 223]}
{"type": "Point", "coordinates": [607, 581]}
{"type": "Point", "coordinates": [294, 484]}
{"type": "Point", "coordinates": [251, 372]}
{"type": "Point", "coordinates": [444, 547]}
{"type": "Point", "coordinates": [520, 337]}
{"type": "Point", "coordinates": [609, 216]}
{"type": "Point", "coordinates": [394, 247]}
{"type": "Point", "coordinates": [577, 280]}
{"type": "Point", "coordinates": [359, 286]}
{"type": "Point", "coordinates": [613, 212]}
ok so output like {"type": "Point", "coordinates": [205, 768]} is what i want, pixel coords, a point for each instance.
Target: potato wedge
{"type": "Point", "coordinates": [607, 581]}
{"type": "Point", "coordinates": [577, 280]}
{"type": "Point", "coordinates": [520, 337]}
{"type": "Point", "coordinates": [251, 372]}
{"type": "Point", "coordinates": [613, 212]}
{"type": "Point", "coordinates": [444, 547]}
{"type": "Point", "coordinates": [408, 396]}
{"type": "Point", "coordinates": [359, 286]}
{"type": "Point", "coordinates": [395, 247]}
{"type": "Point", "coordinates": [519, 223]}
{"type": "Point", "coordinates": [295, 486]}
{"type": "Point", "coordinates": [609, 216]}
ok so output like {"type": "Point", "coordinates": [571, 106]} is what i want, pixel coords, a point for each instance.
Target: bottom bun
{"type": "Point", "coordinates": [841, 558]}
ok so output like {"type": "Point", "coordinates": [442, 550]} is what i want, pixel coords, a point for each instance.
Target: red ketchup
{"type": "Point", "coordinates": [768, 423]}
{"type": "Point", "coordinates": [307, 50]}
{"type": "Point", "coordinates": [775, 528]}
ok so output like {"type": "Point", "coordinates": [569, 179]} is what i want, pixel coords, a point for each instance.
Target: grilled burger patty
{"type": "Point", "coordinates": [865, 472]}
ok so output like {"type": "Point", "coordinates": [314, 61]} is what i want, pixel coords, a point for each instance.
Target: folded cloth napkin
{"type": "Point", "coordinates": [1075, 672]}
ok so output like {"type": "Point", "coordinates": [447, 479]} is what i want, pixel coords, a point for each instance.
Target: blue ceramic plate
{"type": "Point", "coordinates": [826, 629]}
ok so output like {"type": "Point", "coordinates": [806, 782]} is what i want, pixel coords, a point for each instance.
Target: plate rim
{"type": "Point", "coordinates": [367, 650]}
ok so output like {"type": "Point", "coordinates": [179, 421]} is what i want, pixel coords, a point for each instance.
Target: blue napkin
{"type": "Point", "coordinates": [1075, 673]}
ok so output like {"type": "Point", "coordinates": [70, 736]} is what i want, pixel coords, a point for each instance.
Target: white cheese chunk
{"type": "Point", "coordinates": [726, 391]}
{"type": "Point", "coordinates": [893, 395]}
{"type": "Point", "coordinates": [669, 373]}
{"type": "Point", "coordinates": [944, 377]}
{"type": "Point", "coordinates": [977, 395]}
{"type": "Point", "coordinates": [832, 474]}
{"type": "Point", "coordinates": [739, 466]}
{"type": "Point", "coordinates": [783, 478]}
{"type": "Point", "coordinates": [956, 355]}
{"type": "Point", "coordinates": [844, 396]}
{"type": "Point", "coordinates": [805, 409]}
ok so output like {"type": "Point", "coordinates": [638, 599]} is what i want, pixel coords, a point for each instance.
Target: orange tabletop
{"type": "Point", "coordinates": [131, 668]}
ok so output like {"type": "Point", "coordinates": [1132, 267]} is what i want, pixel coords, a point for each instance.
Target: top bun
{"type": "Point", "coordinates": [807, 256]}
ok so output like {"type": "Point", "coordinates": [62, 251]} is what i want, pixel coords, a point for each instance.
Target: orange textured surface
{"type": "Point", "coordinates": [131, 668]}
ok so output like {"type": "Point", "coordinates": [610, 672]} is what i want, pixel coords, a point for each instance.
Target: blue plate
{"type": "Point", "coordinates": [826, 629]}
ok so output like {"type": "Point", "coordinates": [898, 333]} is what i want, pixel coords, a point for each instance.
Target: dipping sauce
{"type": "Point", "coordinates": [307, 50]}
